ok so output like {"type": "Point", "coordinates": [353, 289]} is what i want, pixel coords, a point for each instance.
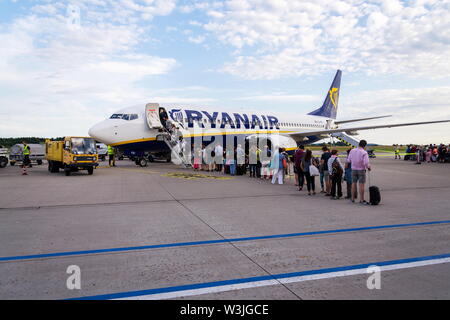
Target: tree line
{"type": "Point", "coordinates": [9, 142]}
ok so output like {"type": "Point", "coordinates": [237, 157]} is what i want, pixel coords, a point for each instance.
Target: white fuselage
{"type": "Point", "coordinates": [128, 128]}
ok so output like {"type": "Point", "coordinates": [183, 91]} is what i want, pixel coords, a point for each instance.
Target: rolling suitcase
{"type": "Point", "coordinates": [374, 194]}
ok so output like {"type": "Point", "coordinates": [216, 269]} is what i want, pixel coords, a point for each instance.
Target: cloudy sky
{"type": "Point", "coordinates": [65, 65]}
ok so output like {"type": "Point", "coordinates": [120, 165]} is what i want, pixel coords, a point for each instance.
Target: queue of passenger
{"type": "Point", "coordinates": [329, 168]}
{"type": "Point", "coordinates": [428, 153]}
{"type": "Point", "coordinates": [332, 172]}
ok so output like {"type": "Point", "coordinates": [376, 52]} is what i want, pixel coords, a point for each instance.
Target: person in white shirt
{"type": "Point", "coordinates": [218, 157]}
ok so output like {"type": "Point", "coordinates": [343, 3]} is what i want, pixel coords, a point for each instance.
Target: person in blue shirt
{"type": "Point", "coordinates": [231, 161]}
{"type": "Point", "coordinates": [348, 177]}
{"type": "Point", "coordinates": [278, 165]}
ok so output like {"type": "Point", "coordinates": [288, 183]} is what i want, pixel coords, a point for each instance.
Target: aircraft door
{"type": "Point", "coordinates": [152, 114]}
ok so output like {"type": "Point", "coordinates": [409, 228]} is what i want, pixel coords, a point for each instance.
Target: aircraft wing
{"type": "Point", "coordinates": [360, 119]}
{"type": "Point", "coordinates": [303, 134]}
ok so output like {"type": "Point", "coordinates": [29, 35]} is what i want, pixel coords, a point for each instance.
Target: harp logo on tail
{"type": "Point", "coordinates": [334, 96]}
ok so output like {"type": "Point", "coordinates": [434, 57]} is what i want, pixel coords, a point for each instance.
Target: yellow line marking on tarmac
{"type": "Point", "coordinates": [139, 170]}
{"type": "Point", "coordinates": [193, 176]}
{"type": "Point", "coordinates": [128, 169]}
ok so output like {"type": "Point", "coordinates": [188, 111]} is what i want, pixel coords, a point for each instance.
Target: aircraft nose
{"type": "Point", "coordinates": [100, 133]}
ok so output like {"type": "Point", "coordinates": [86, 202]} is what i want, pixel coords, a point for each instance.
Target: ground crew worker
{"type": "Point", "coordinates": [111, 155]}
{"type": "Point", "coordinates": [397, 153]}
{"type": "Point", "coordinates": [26, 151]}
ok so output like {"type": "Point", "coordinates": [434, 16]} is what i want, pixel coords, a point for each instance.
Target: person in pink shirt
{"type": "Point", "coordinates": [428, 155]}
{"type": "Point", "coordinates": [359, 160]}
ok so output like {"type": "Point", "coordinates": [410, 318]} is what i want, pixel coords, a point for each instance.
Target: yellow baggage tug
{"type": "Point", "coordinates": [72, 154]}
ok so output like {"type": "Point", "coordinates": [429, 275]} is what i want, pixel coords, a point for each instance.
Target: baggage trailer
{"type": "Point", "coordinates": [37, 154]}
{"type": "Point", "coordinates": [3, 157]}
{"type": "Point", "coordinates": [102, 150]}
{"type": "Point", "coordinates": [72, 154]}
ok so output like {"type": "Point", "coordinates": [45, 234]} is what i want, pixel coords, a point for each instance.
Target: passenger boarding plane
{"type": "Point", "coordinates": [140, 128]}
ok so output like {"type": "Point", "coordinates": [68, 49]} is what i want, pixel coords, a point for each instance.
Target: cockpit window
{"type": "Point", "coordinates": [127, 117]}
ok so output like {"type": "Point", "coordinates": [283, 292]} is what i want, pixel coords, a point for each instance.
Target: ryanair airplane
{"type": "Point", "coordinates": [149, 129]}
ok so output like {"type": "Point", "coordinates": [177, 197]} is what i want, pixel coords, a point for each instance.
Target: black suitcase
{"type": "Point", "coordinates": [375, 195]}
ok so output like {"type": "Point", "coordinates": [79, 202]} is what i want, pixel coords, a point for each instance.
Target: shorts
{"type": "Point", "coordinates": [326, 175]}
{"type": "Point", "coordinates": [26, 160]}
{"type": "Point", "coordinates": [359, 176]}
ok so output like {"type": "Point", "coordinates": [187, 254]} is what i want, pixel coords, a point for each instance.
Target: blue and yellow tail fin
{"type": "Point", "coordinates": [330, 105]}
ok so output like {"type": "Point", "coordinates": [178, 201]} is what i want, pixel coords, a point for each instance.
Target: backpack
{"type": "Point", "coordinates": [337, 169]}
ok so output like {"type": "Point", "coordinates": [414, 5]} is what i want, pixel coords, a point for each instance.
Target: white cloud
{"type": "Point", "coordinates": [197, 40]}
{"type": "Point", "coordinates": [391, 7]}
{"type": "Point", "coordinates": [412, 104]}
{"type": "Point", "coordinates": [406, 105]}
{"type": "Point", "coordinates": [50, 72]}
{"type": "Point", "coordinates": [376, 21]}
{"type": "Point", "coordinates": [281, 97]}
{"type": "Point", "coordinates": [293, 38]}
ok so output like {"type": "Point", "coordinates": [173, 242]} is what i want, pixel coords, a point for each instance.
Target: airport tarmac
{"type": "Point", "coordinates": [160, 233]}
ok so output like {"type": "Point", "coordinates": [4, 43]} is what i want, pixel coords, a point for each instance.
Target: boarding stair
{"type": "Point", "coordinates": [345, 139]}
{"type": "Point", "coordinates": [173, 141]}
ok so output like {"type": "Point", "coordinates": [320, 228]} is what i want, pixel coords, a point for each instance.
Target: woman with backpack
{"type": "Point", "coordinates": [336, 171]}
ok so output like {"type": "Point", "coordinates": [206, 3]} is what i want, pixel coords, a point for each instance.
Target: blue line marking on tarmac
{"type": "Point", "coordinates": [184, 244]}
{"type": "Point", "coordinates": [258, 278]}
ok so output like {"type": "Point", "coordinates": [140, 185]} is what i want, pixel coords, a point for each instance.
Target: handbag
{"type": "Point", "coordinates": [313, 171]}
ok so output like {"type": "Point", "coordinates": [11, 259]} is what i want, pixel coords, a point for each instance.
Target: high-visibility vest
{"type": "Point", "coordinates": [26, 150]}
{"type": "Point", "coordinates": [258, 155]}
{"type": "Point", "coordinates": [110, 150]}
